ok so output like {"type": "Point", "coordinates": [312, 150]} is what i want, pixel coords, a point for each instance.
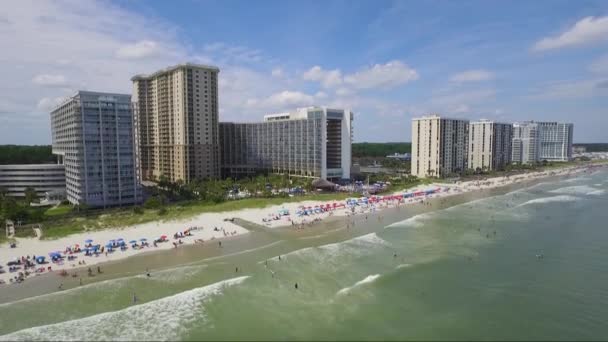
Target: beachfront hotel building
{"type": "Point", "coordinates": [439, 146]}
{"type": "Point", "coordinates": [489, 145]}
{"type": "Point", "coordinates": [526, 143]}
{"type": "Point", "coordinates": [93, 138]}
{"type": "Point", "coordinates": [43, 178]}
{"type": "Point", "coordinates": [176, 117]}
{"type": "Point", "coordinates": [313, 142]}
{"type": "Point", "coordinates": [555, 141]}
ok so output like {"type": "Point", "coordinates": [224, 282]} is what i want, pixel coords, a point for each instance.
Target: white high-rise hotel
{"type": "Point", "coordinates": [93, 138]}
{"type": "Point", "coordinates": [312, 142]}
{"type": "Point", "coordinates": [536, 141]}
{"type": "Point", "coordinates": [439, 146]}
{"type": "Point", "coordinates": [526, 143]}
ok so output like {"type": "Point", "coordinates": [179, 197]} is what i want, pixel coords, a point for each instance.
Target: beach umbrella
{"type": "Point", "coordinates": [163, 237]}
{"type": "Point", "coordinates": [120, 239]}
{"type": "Point", "coordinates": [40, 259]}
{"type": "Point", "coordinates": [109, 245]}
{"type": "Point", "coordinates": [88, 240]}
{"type": "Point", "coordinates": [133, 241]}
{"type": "Point", "coordinates": [143, 239]}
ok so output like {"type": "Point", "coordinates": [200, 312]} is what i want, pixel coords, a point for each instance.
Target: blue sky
{"type": "Point", "coordinates": [388, 61]}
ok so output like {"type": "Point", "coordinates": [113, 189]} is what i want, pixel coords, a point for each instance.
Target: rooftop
{"type": "Point", "coordinates": [175, 67]}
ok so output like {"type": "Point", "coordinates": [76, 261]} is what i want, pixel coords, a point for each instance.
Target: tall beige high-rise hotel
{"type": "Point", "coordinates": [439, 146]}
{"type": "Point", "coordinates": [176, 117]}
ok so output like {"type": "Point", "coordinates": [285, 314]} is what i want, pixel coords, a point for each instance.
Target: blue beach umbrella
{"type": "Point", "coordinates": [88, 241]}
{"type": "Point", "coordinates": [133, 241]}
{"type": "Point", "coordinates": [109, 245]}
{"type": "Point", "coordinates": [143, 239]}
{"type": "Point", "coordinates": [40, 259]}
{"type": "Point", "coordinates": [120, 239]}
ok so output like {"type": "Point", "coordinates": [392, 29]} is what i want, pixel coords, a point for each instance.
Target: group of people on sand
{"type": "Point", "coordinates": [25, 266]}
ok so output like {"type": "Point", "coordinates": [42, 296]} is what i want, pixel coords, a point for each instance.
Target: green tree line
{"type": "Point", "coordinates": [25, 154]}
{"type": "Point", "coordinates": [366, 149]}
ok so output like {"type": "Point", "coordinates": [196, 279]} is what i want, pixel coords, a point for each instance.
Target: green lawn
{"type": "Point", "coordinates": [60, 210]}
{"type": "Point", "coordinates": [122, 217]}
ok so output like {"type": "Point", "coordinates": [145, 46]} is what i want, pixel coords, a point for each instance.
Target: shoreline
{"type": "Point", "coordinates": [208, 220]}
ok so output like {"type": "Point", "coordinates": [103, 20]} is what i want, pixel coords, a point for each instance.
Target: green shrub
{"type": "Point", "coordinates": [152, 203]}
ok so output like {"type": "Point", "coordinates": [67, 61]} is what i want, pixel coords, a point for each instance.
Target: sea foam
{"type": "Point", "coordinates": [162, 319]}
{"type": "Point", "coordinates": [560, 198]}
{"type": "Point", "coordinates": [575, 190]}
{"type": "Point", "coordinates": [369, 279]}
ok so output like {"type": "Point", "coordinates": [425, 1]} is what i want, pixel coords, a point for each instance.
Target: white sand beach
{"type": "Point", "coordinates": [206, 223]}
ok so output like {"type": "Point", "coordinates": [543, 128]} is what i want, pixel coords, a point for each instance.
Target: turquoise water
{"type": "Point", "coordinates": [460, 269]}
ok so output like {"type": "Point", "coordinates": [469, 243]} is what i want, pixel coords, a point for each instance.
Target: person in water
{"type": "Point", "coordinates": [296, 286]}
{"type": "Point", "coordinates": [134, 298]}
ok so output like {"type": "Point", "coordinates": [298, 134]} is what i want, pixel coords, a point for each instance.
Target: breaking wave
{"type": "Point", "coordinates": [575, 190]}
{"type": "Point", "coordinates": [367, 280]}
{"type": "Point", "coordinates": [162, 319]}
{"type": "Point", "coordinates": [561, 198]}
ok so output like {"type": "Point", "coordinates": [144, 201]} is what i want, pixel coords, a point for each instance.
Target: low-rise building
{"type": "Point", "coordinates": [42, 177]}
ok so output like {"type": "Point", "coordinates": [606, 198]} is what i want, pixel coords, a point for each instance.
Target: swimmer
{"type": "Point", "coordinates": [296, 286]}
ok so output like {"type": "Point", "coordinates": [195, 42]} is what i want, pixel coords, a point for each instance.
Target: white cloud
{"type": "Point", "coordinates": [321, 95]}
{"type": "Point", "coordinates": [585, 31]}
{"type": "Point", "coordinates": [460, 109]}
{"type": "Point", "coordinates": [285, 100]}
{"type": "Point", "coordinates": [47, 80]}
{"type": "Point", "coordinates": [578, 89]}
{"type": "Point", "coordinates": [387, 75]}
{"type": "Point", "coordinates": [327, 78]}
{"type": "Point", "coordinates": [277, 72]}
{"type": "Point", "coordinates": [47, 104]}
{"type": "Point", "coordinates": [472, 76]}
{"type": "Point", "coordinates": [600, 65]}
{"type": "Point", "coordinates": [343, 91]}
{"type": "Point", "coordinates": [139, 50]}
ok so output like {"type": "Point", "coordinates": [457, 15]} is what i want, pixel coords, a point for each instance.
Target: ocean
{"type": "Point", "coordinates": [526, 262]}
